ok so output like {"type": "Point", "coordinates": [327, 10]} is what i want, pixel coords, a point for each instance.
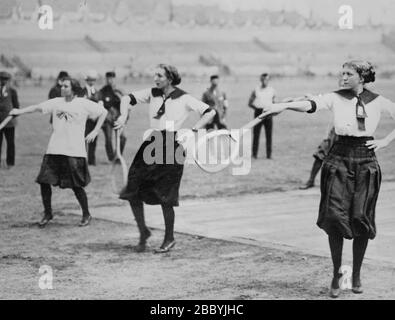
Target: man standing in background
{"type": "Point", "coordinates": [8, 101]}
{"type": "Point", "coordinates": [262, 96]}
{"type": "Point", "coordinates": [90, 92]}
{"type": "Point", "coordinates": [111, 98]}
{"type": "Point", "coordinates": [55, 91]}
{"type": "Point", "coordinates": [216, 99]}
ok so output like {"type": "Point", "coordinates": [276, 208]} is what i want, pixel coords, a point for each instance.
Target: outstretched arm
{"type": "Point", "coordinates": [30, 109]}
{"type": "Point", "coordinates": [300, 106]}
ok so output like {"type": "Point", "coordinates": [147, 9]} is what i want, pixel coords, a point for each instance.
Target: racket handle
{"type": "Point", "coordinates": [5, 121]}
{"type": "Point", "coordinates": [253, 123]}
{"type": "Point", "coordinates": [118, 143]}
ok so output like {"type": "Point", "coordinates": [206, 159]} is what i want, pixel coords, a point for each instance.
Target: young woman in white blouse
{"type": "Point", "coordinates": [157, 182]}
{"type": "Point", "coordinates": [351, 175]}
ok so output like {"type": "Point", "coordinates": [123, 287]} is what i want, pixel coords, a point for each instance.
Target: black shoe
{"type": "Point", "coordinates": [335, 288]}
{"type": "Point", "coordinates": [142, 245]}
{"type": "Point", "coordinates": [308, 185]}
{"type": "Point", "coordinates": [85, 221]}
{"type": "Point", "coordinates": [357, 286]}
{"type": "Point", "coordinates": [166, 246]}
{"type": "Point", "coordinates": [44, 221]}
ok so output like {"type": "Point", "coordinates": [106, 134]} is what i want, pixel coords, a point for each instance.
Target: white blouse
{"type": "Point", "coordinates": [68, 121]}
{"type": "Point", "coordinates": [344, 113]}
{"type": "Point", "coordinates": [177, 107]}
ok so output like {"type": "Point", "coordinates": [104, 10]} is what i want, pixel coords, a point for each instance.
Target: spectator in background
{"type": "Point", "coordinates": [90, 92]}
{"type": "Point", "coordinates": [319, 156]}
{"type": "Point", "coordinates": [261, 97]}
{"type": "Point", "coordinates": [8, 101]}
{"type": "Point", "coordinates": [216, 99]}
{"type": "Point", "coordinates": [55, 91]}
{"type": "Point", "coordinates": [111, 98]}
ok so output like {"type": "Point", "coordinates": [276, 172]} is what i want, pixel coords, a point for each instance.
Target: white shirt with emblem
{"type": "Point", "coordinates": [68, 121]}
{"type": "Point", "coordinates": [344, 113]}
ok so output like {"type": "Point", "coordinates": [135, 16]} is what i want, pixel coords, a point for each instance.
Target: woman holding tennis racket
{"type": "Point", "coordinates": [351, 175]}
{"type": "Point", "coordinates": [158, 182]}
{"type": "Point", "coordinates": [64, 163]}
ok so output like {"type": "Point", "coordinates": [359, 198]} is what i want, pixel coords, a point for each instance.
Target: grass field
{"type": "Point", "coordinates": [99, 262]}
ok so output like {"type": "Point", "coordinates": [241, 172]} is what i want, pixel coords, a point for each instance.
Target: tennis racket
{"type": "Point", "coordinates": [5, 121]}
{"type": "Point", "coordinates": [217, 149]}
{"type": "Point", "coordinates": [119, 169]}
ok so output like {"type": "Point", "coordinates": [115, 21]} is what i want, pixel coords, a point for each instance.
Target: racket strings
{"type": "Point", "coordinates": [215, 150]}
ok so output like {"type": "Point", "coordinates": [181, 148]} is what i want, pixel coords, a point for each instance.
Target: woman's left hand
{"type": "Point", "coordinates": [91, 136]}
{"type": "Point", "coordinates": [377, 144]}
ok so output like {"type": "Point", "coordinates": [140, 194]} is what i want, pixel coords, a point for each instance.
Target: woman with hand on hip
{"type": "Point", "coordinates": [157, 182]}
{"type": "Point", "coordinates": [351, 175]}
{"type": "Point", "coordinates": [64, 163]}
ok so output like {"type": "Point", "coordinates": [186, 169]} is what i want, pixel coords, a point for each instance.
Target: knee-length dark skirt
{"type": "Point", "coordinates": [155, 174]}
{"type": "Point", "coordinates": [64, 171]}
{"type": "Point", "coordinates": [350, 184]}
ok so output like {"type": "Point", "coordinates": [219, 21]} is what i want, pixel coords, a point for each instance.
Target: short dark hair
{"type": "Point", "coordinates": [62, 74]}
{"type": "Point", "coordinates": [171, 73]}
{"type": "Point", "coordinates": [364, 68]}
{"type": "Point", "coordinates": [110, 74]}
{"type": "Point", "coordinates": [214, 76]}
{"type": "Point", "coordinates": [264, 75]}
{"type": "Point", "coordinates": [5, 75]}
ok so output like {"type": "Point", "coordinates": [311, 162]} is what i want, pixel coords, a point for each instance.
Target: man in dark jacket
{"type": "Point", "coordinates": [8, 101]}
{"type": "Point", "coordinates": [54, 92]}
{"type": "Point", "coordinates": [111, 98]}
{"type": "Point", "coordinates": [90, 92]}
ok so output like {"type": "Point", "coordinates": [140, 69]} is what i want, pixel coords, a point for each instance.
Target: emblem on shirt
{"type": "Point", "coordinates": [64, 115]}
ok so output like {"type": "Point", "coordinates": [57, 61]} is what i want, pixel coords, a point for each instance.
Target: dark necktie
{"type": "Point", "coordinates": [361, 114]}
{"type": "Point", "coordinates": [162, 108]}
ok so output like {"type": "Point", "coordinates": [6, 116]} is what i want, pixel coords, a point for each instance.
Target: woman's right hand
{"type": "Point", "coordinates": [15, 112]}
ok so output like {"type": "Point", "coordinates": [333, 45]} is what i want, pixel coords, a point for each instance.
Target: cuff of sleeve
{"type": "Point", "coordinates": [133, 100]}
{"type": "Point", "coordinates": [313, 106]}
{"type": "Point", "coordinates": [207, 111]}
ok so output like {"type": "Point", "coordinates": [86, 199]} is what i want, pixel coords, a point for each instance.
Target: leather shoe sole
{"type": "Point", "coordinates": [45, 221]}
{"type": "Point", "coordinates": [166, 248]}
{"type": "Point", "coordinates": [85, 221]}
{"type": "Point", "coordinates": [357, 290]}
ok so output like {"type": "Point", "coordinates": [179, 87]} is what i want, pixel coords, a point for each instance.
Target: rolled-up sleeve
{"type": "Point", "coordinates": [140, 96]}
{"type": "Point", "coordinates": [195, 104]}
{"type": "Point", "coordinates": [388, 107]}
{"type": "Point", "coordinates": [48, 106]}
{"type": "Point", "coordinates": [93, 109]}
{"type": "Point", "coordinates": [324, 101]}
